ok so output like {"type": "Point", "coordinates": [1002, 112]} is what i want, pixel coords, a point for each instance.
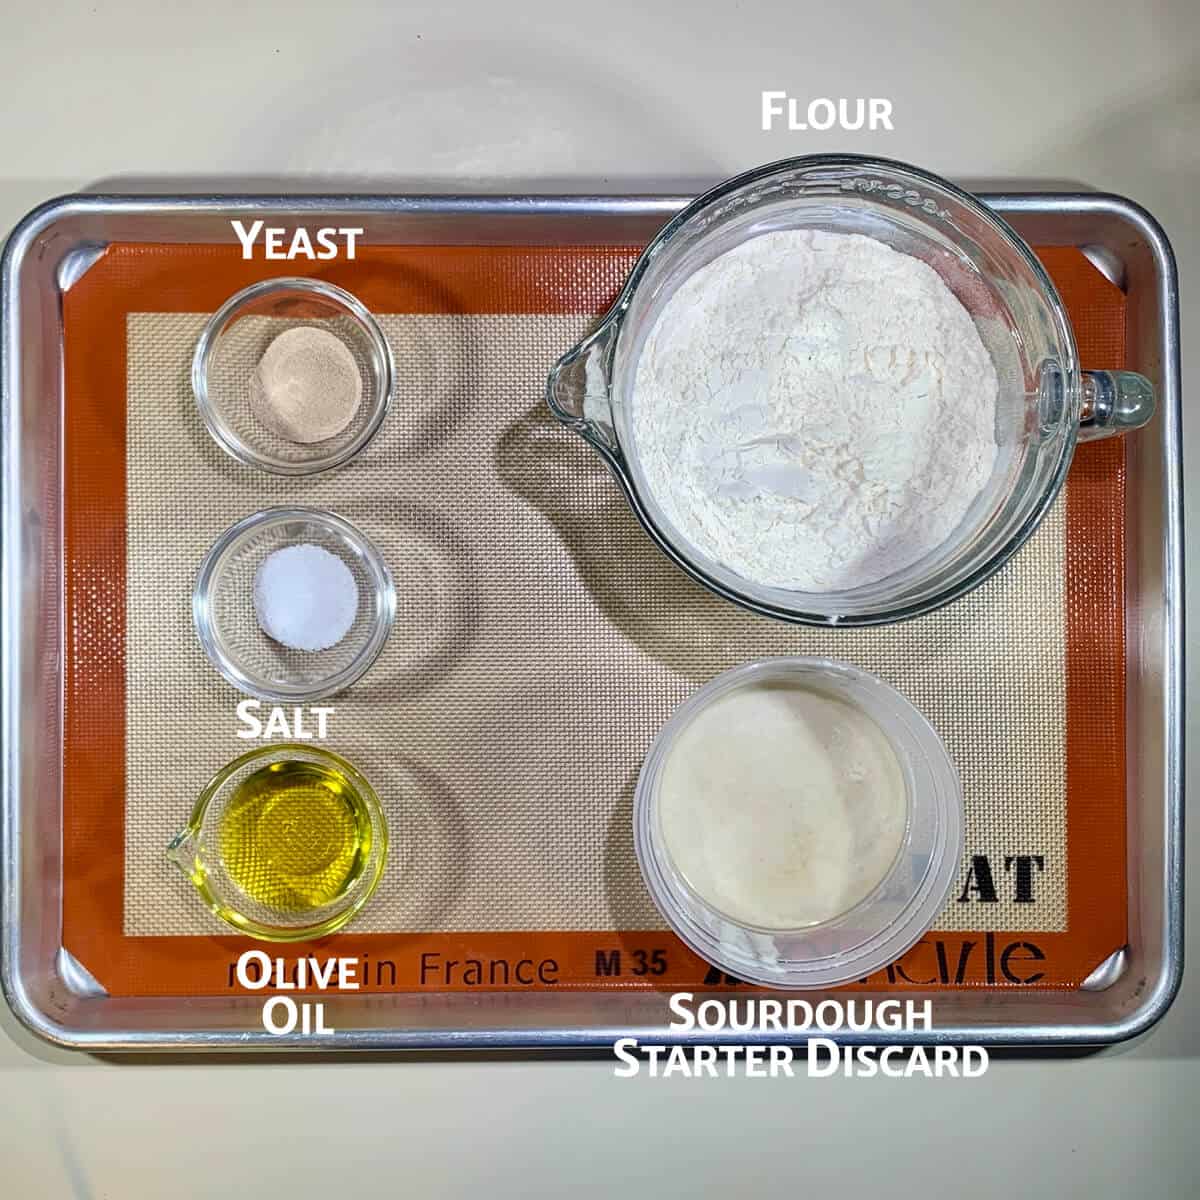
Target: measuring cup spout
{"type": "Point", "coordinates": [579, 389]}
{"type": "Point", "coordinates": [182, 851]}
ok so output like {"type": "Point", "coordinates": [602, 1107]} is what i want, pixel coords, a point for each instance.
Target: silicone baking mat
{"type": "Point", "coordinates": [540, 641]}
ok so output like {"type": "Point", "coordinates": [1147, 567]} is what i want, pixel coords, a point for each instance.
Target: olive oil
{"type": "Point", "coordinates": [295, 835]}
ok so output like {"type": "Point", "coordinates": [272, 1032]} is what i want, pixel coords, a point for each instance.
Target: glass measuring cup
{"type": "Point", "coordinates": [279, 840]}
{"type": "Point", "coordinates": [1046, 402]}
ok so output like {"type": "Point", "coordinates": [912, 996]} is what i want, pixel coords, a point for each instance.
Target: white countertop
{"type": "Point", "coordinates": [615, 97]}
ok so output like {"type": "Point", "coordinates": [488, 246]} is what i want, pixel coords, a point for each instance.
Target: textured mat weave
{"type": "Point", "coordinates": [539, 643]}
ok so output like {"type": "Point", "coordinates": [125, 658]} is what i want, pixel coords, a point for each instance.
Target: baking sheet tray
{"type": "Point", "coordinates": [1141, 264]}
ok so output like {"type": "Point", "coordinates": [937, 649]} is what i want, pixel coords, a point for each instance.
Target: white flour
{"type": "Point", "coordinates": [815, 411]}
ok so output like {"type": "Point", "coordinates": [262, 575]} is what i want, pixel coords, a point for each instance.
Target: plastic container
{"type": "Point", "coordinates": [235, 339]}
{"type": "Point", "coordinates": [228, 629]}
{"type": "Point", "coordinates": [1046, 402]}
{"type": "Point", "coordinates": [879, 928]}
{"type": "Point", "coordinates": [196, 850]}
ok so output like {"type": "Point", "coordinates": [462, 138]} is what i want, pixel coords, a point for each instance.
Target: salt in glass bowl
{"type": "Point", "coordinates": [235, 339]}
{"type": "Point", "coordinates": [227, 626]}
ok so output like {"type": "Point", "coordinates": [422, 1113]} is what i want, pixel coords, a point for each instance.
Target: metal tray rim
{"type": "Point", "coordinates": [1156, 999]}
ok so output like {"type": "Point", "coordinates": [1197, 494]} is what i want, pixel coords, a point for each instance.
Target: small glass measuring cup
{"type": "Point", "coordinates": [197, 849]}
{"type": "Point", "coordinates": [1046, 402]}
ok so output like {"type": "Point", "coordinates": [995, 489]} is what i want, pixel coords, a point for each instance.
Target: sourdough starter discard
{"type": "Point", "coordinates": [782, 806]}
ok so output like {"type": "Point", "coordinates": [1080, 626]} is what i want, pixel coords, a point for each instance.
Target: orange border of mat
{"type": "Point", "coordinates": [487, 279]}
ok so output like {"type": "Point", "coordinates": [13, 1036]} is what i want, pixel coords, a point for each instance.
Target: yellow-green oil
{"type": "Point", "coordinates": [295, 835]}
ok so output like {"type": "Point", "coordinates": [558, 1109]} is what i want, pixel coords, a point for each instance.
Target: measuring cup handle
{"type": "Point", "coordinates": [1114, 402]}
{"type": "Point", "coordinates": [579, 389]}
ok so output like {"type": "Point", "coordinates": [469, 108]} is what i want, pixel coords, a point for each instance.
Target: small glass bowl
{"type": "Point", "coordinates": [228, 629]}
{"type": "Point", "coordinates": [879, 928]}
{"type": "Point", "coordinates": [195, 850]}
{"type": "Point", "coordinates": [235, 339]}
